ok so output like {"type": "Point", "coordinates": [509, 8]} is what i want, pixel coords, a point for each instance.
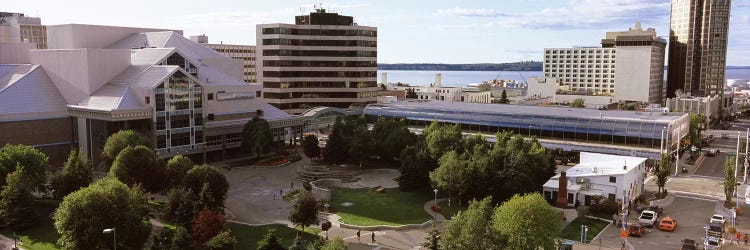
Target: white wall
{"type": "Point", "coordinates": [590, 101]}
{"type": "Point", "coordinates": [541, 87]}
{"type": "Point", "coordinates": [633, 73]}
{"type": "Point", "coordinates": [78, 73]}
{"type": "Point", "coordinates": [15, 52]}
{"type": "Point", "coordinates": [74, 36]}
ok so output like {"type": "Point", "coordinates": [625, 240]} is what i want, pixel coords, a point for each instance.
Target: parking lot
{"type": "Point", "coordinates": [691, 215]}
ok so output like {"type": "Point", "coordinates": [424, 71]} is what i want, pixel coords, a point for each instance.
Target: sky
{"type": "Point", "coordinates": [411, 31]}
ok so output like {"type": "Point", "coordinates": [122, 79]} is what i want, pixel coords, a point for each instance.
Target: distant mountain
{"type": "Point", "coordinates": [514, 66]}
{"type": "Point", "coordinates": [738, 67]}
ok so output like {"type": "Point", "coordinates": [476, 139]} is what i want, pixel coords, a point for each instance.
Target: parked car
{"type": "Point", "coordinates": [648, 218]}
{"type": "Point", "coordinates": [688, 244]}
{"type": "Point", "coordinates": [712, 243]}
{"type": "Point", "coordinates": [636, 230]}
{"type": "Point", "coordinates": [717, 218]}
{"type": "Point", "coordinates": [657, 209]}
{"type": "Point", "coordinates": [709, 153]}
{"type": "Point", "coordinates": [667, 224]}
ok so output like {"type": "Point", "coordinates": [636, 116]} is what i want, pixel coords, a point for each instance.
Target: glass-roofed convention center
{"type": "Point", "coordinates": [634, 133]}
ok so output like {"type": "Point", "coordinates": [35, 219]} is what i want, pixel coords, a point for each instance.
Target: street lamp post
{"type": "Point", "coordinates": [114, 234]}
{"type": "Point", "coordinates": [434, 219]}
{"type": "Point", "coordinates": [530, 127]}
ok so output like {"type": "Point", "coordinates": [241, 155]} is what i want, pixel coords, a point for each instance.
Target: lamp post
{"type": "Point", "coordinates": [530, 127]}
{"type": "Point", "coordinates": [434, 220]}
{"type": "Point", "coordinates": [114, 234]}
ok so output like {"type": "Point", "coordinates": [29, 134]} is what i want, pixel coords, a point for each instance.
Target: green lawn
{"type": "Point", "coordinates": [573, 230]}
{"type": "Point", "coordinates": [248, 236]}
{"type": "Point", "coordinates": [451, 211]}
{"type": "Point", "coordinates": [42, 236]}
{"type": "Point", "coordinates": [389, 208]}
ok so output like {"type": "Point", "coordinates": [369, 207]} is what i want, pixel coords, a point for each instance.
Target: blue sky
{"type": "Point", "coordinates": [408, 31]}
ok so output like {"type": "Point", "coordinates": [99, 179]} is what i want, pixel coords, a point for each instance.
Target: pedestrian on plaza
{"type": "Point", "coordinates": [373, 236]}
{"type": "Point", "coordinates": [292, 185]}
{"type": "Point", "coordinates": [746, 239]}
{"type": "Point", "coordinates": [359, 233]}
{"type": "Point", "coordinates": [739, 237]}
{"type": "Point", "coordinates": [281, 192]}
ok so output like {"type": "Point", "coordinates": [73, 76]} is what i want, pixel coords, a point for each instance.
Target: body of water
{"type": "Point", "coordinates": [463, 78]}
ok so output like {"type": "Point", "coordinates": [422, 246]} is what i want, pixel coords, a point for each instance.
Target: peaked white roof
{"type": "Point", "coordinates": [111, 97]}
{"type": "Point", "coordinates": [26, 92]}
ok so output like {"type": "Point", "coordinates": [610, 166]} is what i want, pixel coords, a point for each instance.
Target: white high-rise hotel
{"type": "Point", "coordinates": [629, 65]}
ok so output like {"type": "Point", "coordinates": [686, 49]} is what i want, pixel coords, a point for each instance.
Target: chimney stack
{"type": "Point", "coordinates": [562, 191]}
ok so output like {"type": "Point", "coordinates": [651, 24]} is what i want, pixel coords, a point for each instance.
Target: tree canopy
{"type": "Point", "coordinates": [270, 242]}
{"type": "Point", "coordinates": [140, 165]}
{"type": "Point", "coordinates": [528, 222]}
{"type": "Point", "coordinates": [310, 146]}
{"type": "Point", "coordinates": [76, 174]}
{"type": "Point", "coordinates": [217, 183]}
{"type": "Point", "coordinates": [304, 210]}
{"type": "Point", "coordinates": [107, 203]}
{"type": "Point", "coordinates": [335, 244]}
{"type": "Point", "coordinates": [207, 225]}
{"type": "Point", "coordinates": [577, 103]}
{"type": "Point", "coordinates": [662, 171]}
{"type": "Point", "coordinates": [121, 139]}
{"type": "Point", "coordinates": [730, 179]}
{"type": "Point", "coordinates": [34, 162]}
{"type": "Point", "coordinates": [472, 228]}
{"type": "Point", "coordinates": [257, 137]}
{"type": "Point", "coordinates": [16, 208]}
{"type": "Point", "coordinates": [222, 241]}
{"type": "Point", "coordinates": [178, 167]}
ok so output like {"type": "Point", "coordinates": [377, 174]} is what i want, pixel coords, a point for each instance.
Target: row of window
{"type": "Point", "coordinates": [338, 43]}
{"type": "Point", "coordinates": [582, 71]}
{"type": "Point", "coordinates": [576, 56]}
{"type": "Point", "coordinates": [291, 63]}
{"type": "Point", "coordinates": [293, 95]}
{"type": "Point", "coordinates": [285, 85]}
{"type": "Point", "coordinates": [178, 139]}
{"type": "Point", "coordinates": [320, 73]}
{"type": "Point", "coordinates": [325, 53]}
{"type": "Point", "coordinates": [576, 61]}
{"type": "Point", "coordinates": [575, 51]}
{"type": "Point", "coordinates": [319, 32]}
{"type": "Point", "coordinates": [250, 51]}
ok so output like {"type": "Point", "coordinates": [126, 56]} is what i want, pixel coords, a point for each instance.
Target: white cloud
{"type": "Point", "coordinates": [458, 11]}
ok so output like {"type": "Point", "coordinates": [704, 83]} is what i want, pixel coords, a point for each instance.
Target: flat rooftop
{"type": "Point", "coordinates": [506, 109]}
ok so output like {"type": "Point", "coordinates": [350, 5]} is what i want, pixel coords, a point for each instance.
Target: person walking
{"type": "Point", "coordinates": [373, 236]}
{"type": "Point", "coordinates": [359, 233]}
{"type": "Point", "coordinates": [739, 237]}
{"type": "Point", "coordinates": [746, 238]}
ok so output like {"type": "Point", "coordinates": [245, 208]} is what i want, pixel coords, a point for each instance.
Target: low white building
{"type": "Point", "coordinates": [452, 94]}
{"type": "Point", "coordinates": [616, 177]}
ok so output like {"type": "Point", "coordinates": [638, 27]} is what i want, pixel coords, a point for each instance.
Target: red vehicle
{"type": "Point", "coordinates": [667, 224]}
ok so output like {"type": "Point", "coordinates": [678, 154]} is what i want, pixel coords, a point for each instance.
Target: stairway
{"type": "Point", "coordinates": [312, 173]}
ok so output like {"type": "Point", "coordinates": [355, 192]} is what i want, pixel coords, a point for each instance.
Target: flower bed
{"type": "Point", "coordinates": [272, 161]}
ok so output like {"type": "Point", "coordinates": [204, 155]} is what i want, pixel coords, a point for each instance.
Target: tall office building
{"type": "Point", "coordinates": [629, 66]}
{"type": "Point", "coordinates": [324, 59]}
{"type": "Point", "coordinates": [246, 53]}
{"type": "Point", "coordinates": [19, 28]}
{"type": "Point", "coordinates": [698, 46]}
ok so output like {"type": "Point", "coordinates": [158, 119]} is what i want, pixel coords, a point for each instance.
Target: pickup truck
{"type": "Point", "coordinates": [648, 218]}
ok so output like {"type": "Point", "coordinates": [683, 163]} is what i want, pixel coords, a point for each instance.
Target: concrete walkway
{"type": "Point", "coordinates": [428, 208]}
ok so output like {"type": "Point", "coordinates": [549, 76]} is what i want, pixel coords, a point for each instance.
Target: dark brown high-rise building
{"type": "Point", "coordinates": [698, 46]}
{"type": "Point", "coordinates": [324, 59]}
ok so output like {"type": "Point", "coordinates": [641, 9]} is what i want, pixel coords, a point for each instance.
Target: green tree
{"type": "Point", "coordinates": [298, 244]}
{"type": "Point", "coordinates": [139, 165]}
{"type": "Point", "coordinates": [16, 203]}
{"type": "Point", "coordinates": [304, 210]}
{"type": "Point", "coordinates": [504, 98]}
{"type": "Point", "coordinates": [432, 240]}
{"type": "Point", "coordinates": [257, 137]}
{"type": "Point", "coordinates": [696, 124]}
{"type": "Point", "coordinates": [217, 183]}
{"type": "Point", "coordinates": [181, 207]}
{"type": "Point", "coordinates": [451, 175]}
{"type": "Point", "coordinates": [310, 146]}
{"type": "Point", "coordinates": [662, 171]}
{"type": "Point", "coordinates": [472, 229]}
{"type": "Point", "coordinates": [107, 203]}
{"type": "Point", "coordinates": [177, 168]}
{"type": "Point", "coordinates": [207, 225]}
{"type": "Point", "coordinates": [121, 139]}
{"type": "Point", "coordinates": [730, 180]}
{"type": "Point", "coordinates": [528, 222]}
{"type": "Point", "coordinates": [441, 139]}
{"type": "Point", "coordinates": [335, 244]}
{"type": "Point", "coordinates": [222, 241]}
{"type": "Point", "coordinates": [361, 144]}
{"type": "Point", "coordinates": [181, 239]}
{"type": "Point", "coordinates": [270, 242]}
{"type": "Point", "coordinates": [577, 103]}
{"type": "Point", "coordinates": [411, 93]}
{"type": "Point", "coordinates": [337, 147]}
{"type": "Point", "coordinates": [76, 174]}
{"type": "Point", "coordinates": [34, 162]}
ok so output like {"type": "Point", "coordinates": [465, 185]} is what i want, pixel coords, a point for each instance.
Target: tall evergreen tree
{"type": "Point", "coordinates": [16, 203]}
{"type": "Point", "coordinates": [76, 174]}
{"type": "Point", "coordinates": [257, 137]}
